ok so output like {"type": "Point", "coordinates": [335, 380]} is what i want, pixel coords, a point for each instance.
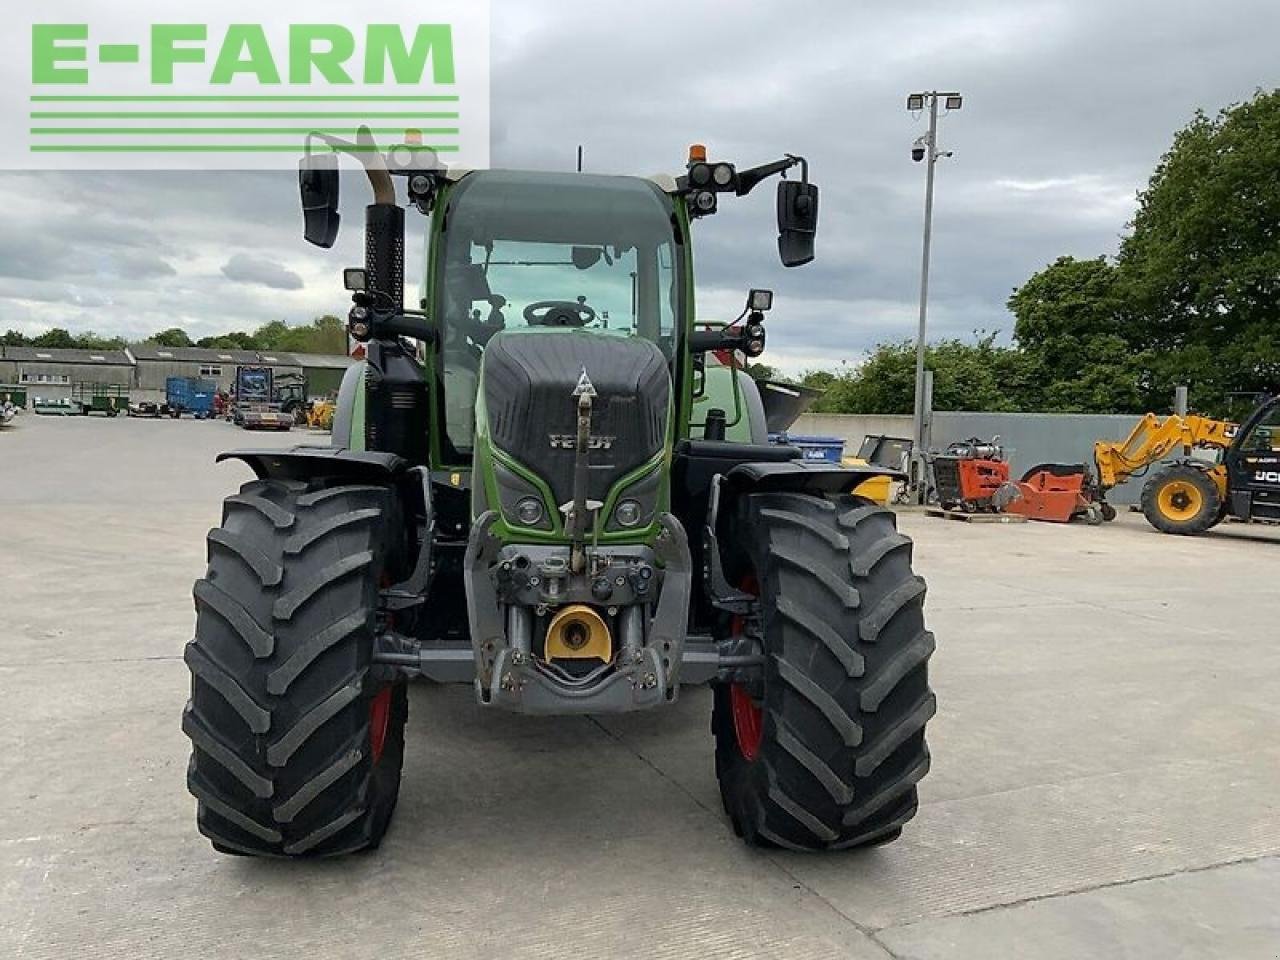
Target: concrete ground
{"type": "Point", "coordinates": [1106, 778]}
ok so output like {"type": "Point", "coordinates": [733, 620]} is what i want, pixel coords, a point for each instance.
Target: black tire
{"type": "Point", "coordinates": [286, 711]}
{"type": "Point", "coordinates": [1181, 499]}
{"type": "Point", "coordinates": [1108, 511]}
{"type": "Point", "coordinates": [845, 694]}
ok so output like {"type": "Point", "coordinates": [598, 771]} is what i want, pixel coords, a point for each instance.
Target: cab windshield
{"type": "Point", "coordinates": [541, 250]}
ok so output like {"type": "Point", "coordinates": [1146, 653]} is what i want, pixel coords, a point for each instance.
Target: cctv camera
{"type": "Point", "coordinates": [917, 152]}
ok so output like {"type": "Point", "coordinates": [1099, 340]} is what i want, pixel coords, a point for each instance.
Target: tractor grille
{"type": "Point", "coordinates": [529, 379]}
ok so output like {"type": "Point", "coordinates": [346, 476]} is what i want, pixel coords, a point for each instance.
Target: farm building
{"type": "Point", "coordinates": [155, 365]}
{"type": "Point", "coordinates": [323, 373]}
{"type": "Point", "coordinates": [145, 368]}
{"type": "Point", "coordinates": [49, 373]}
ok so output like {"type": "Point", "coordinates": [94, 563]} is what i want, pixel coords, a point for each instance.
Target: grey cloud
{"type": "Point", "coordinates": [243, 268]}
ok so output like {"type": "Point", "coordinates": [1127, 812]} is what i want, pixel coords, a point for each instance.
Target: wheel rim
{"type": "Point", "coordinates": [379, 722]}
{"type": "Point", "coordinates": [1180, 500]}
{"type": "Point", "coordinates": [748, 721]}
{"type": "Point", "coordinates": [748, 716]}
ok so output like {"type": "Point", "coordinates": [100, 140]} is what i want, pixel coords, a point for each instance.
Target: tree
{"type": "Point", "coordinates": [1201, 267]}
{"type": "Point", "coordinates": [13, 338]}
{"type": "Point", "coordinates": [1073, 328]}
{"type": "Point", "coordinates": [55, 339]}
{"type": "Point", "coordinates": [967, 376]}
{"type": "Point", "coordinates": [236, 340]}
{"type": "Point", "coordinates": [173, 337]}
{"type": "Point", "coordinates": [326, 334]}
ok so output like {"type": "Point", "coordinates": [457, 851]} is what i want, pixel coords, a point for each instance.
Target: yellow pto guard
{"type": "Point", "coordinates": [578, 633]}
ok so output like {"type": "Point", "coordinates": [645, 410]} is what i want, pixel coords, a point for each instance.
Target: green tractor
{"type": "Point", "coordinates": [552, 483]}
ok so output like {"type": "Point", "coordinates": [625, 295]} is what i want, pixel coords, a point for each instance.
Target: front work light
{"type": "Point", "coordinates": [627, 513]}
{"type": "Point", "coordinates": [529, 511]}
{"type": "Point", "coordinates": [761, 301]}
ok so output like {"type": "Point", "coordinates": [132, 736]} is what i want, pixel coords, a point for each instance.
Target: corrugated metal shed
{"type": "Point", "coordinates": [49, 372]}
{"type": "Point", "coordinates": [146, 367]}
{"type": "Point", "coordinates": [155, 365]}
{"type": "Point", "coordinates": [118, 358]}
{"type": "Point", "coordinates": [150, 351]}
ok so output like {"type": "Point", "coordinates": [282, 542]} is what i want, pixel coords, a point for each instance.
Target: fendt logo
{"type": "Point", "coordinates": [567, 441]}
{"type": "Point", "coordinates": [242, 85]}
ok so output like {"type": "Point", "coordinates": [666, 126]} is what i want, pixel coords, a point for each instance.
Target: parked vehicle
{"type": "Point", "coordinates": [16, 396]}
{"type": "Point", "coordinates": [256, 406]}
{"type": "Point", "coordinates": [189, 395]}
{"type": "Point", "coordinates": [1191, 495]}
{"type": "Point", "coordinates": [148, 409]}
{"type": "Point", "coordinates": [60, 407]}
{"type": "Point", "coordinates": [535, 500]}
{"type": "Point", "coordinates": [109, 399]}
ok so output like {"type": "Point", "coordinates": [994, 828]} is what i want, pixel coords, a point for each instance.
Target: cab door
{"type": "Point", "coordinates": [1253, 465]}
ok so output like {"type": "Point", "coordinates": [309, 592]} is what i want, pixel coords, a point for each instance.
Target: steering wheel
{"type": "Point", "coordinates": [559, 313]}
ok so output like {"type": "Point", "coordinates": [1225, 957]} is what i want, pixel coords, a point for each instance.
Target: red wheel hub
{"type": "Point", "coordinates": [748, 721]}
{"type": "Point", "coordinates": [748, 717]}
{"type": "Point", "coordinates": [379, 722]}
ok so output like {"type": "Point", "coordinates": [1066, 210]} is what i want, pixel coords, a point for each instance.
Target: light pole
{"type": "Point", "coordinates": [925, 148]}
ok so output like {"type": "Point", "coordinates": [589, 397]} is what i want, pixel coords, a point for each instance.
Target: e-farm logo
{"type": "Point", "coordinates": [127, 91]}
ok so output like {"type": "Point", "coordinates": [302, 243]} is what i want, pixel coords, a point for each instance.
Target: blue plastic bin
{"type": "Point", "coordinates": [830, 449]}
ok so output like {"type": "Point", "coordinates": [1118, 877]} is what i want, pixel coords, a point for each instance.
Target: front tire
{"type": "Point", "coordinates": [1181, 499]}
{"type": "Point", "coordinates": [297, 739]}
{"type": "Point", "coordinates": [838, 745]}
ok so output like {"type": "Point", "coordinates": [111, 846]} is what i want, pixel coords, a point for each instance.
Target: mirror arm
{"type": "Point", "coordinates": [419, 327]}
{"type": "Point", "coordinates": [749, 179]}
{"type": "Point", "coordinates": [365, 150]}
{"type": "Point", "coordinates": [706, 341]}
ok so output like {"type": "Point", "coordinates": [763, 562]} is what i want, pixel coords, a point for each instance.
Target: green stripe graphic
{"type": "Point", "coordinates": [210, 148]}
{"type": "Point", "coordinates": [265, 98]}
{"type": "Point", "coordinates": [230, 131]}
{"type": "Point", "coordinates": [238, 115]}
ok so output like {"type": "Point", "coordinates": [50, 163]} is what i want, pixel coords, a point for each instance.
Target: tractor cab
{"type": "Point", "coordinates": [554, 256]}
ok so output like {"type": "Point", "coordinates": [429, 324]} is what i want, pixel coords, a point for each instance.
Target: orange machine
{"type": "Point", "coordinates": [968, 476]}
{"type": "Point", "coordinates": [1054, 492]}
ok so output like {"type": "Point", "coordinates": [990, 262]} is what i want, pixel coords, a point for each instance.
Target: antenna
{"type": "Point", "coordinates": [579, 158]}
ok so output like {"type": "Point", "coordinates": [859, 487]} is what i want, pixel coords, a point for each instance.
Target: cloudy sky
{"type": "Point", "coordinates": [1067, 107]}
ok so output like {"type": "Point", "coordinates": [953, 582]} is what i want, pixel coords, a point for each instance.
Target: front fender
{"type": "Point", "coordinates": [802, 476]}
{"type": "Point", "coordinates": [305, 463]}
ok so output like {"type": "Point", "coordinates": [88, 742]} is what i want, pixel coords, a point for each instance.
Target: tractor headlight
{"type": "Point", "coordinates": [529, 511]}
{"type": "Point", "coordinates": [722, 174]}
{"type": "Point", "coordinates": [637, 504]}
{"type": "Point", "coordinates": [628, 513]}
{"type": "Point", "coordinates": [519, 498]}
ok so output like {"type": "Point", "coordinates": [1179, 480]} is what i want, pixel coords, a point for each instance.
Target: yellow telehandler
{"type": "Point", "coordinates": [1192, 494]}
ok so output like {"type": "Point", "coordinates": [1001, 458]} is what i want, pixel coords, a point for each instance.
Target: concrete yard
{"type": "Point", "coordinates": [1106, 775]}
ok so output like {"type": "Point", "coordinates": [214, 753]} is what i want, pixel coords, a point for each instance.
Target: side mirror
{"type": "Point", "coordinates": [797, 221]}
{"type": "Point", "coordinates": [318, 183]}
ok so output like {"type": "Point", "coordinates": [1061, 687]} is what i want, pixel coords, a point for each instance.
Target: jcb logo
{"type": "Point", "coordinates": [567, 441]}
{"type": "Point", "coordinates": [1267, 476]}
